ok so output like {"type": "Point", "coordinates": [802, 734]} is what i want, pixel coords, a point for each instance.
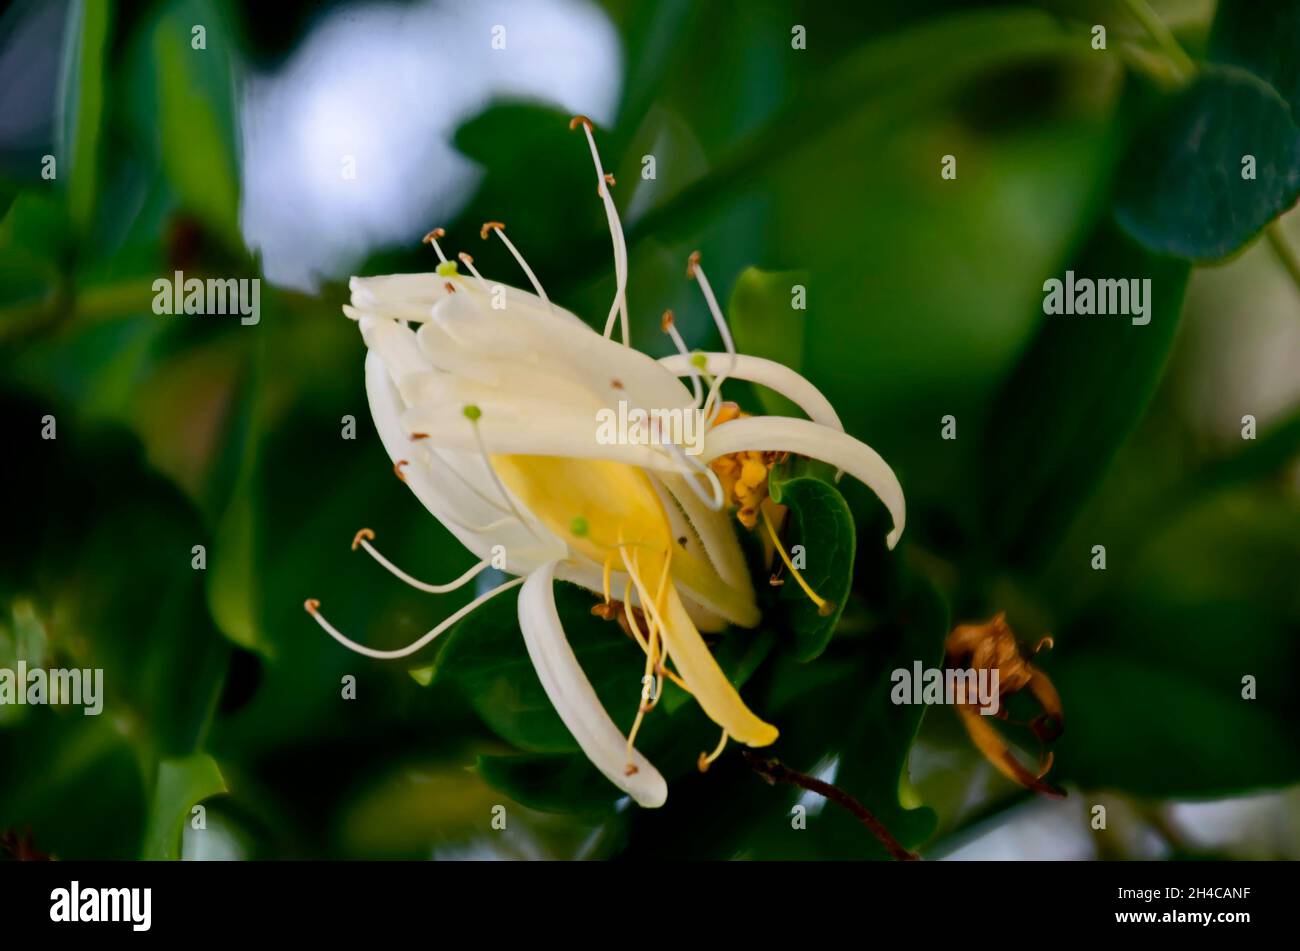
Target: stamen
{"type": "Point", "coordinates": [432, 238]}
{"type": "Point", "coordinates": [632, 622]}
{"type": "Point", "coordinates": [473, 413]}
{"type": "Point", "coordinates": [706, 759]}
{"type": "Point", "coordinates": [469, 263]}
{"type": "Point", "coordinates": [500, 229]}
{"type": "Point", "coordinates": [619, 306]}
{"type": "Point", "coordinates": [362, 539]}
{"type": "Point", "coordinates": [694, 270]}
{"type": "Point", "coordinates": [313, 608]}
{"type": "Point", "coordinates": [717, 497]}
{"type": "Point", "coordinates": [668, 325]}
{"type": "Point", "coordinates": [397, 469]}
{"type": "Point", "coordinates": [824, 608]}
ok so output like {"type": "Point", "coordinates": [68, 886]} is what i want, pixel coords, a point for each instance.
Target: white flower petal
{"type": "Point", "coordinates": [574, 698]}
{"type": "Point", "coordinates": [449, 495]}
{"type": "Point", "coordinates": [782, 434]}
{"type": "Point", "coordinates": [775, 376]}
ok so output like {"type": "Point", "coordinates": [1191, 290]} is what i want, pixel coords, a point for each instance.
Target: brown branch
{"type": "Point", "coordinates": [774, 771]}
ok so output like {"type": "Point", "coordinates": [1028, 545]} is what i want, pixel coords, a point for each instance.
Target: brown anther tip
{"type": "Point", "coordinates": [775, 582]}
{"type": "Point", "coordinates": [666, 321]}
{"type": "Point", "coordinates": [366, 534]}
{"type": "Point", "coordinates": [604, 610]}
{"type": "Point", "coordinates": [449, 287]}
{"type": "Point", "coordinates": [827, 608]}
{"type": "Point", "coordinates": [417, 436]}
{"type": "Point", "coordinates": [579, 120]}
{"type": "Point", "coordinates": [610, 179]}
{"type": "Point", "coordinates": [488, 226]}
{"type": "Point", "coordinates": [433, 236]}
{"type": "Point", "coordinates": [465, 257]}
{"type": "Point", "coordinates": [703, 763]}
{"type": "Point", "coordinates": [1045, 644]}
{"type": "Point", "coordinates": [616, 384]}
{"type": "Point", "coordinates": [692, 262]}
{"type": "Point", "coordinates": [631, 770]}
{"type": "Point", "coordinates": [312, 605]}
{"type": "Point", "coordinates": [397, 468]}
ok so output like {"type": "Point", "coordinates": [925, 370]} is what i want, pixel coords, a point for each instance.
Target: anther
{"type": "Point", "coordinates": [465, 257]}
{"type": "Point", "coordinates": [609, 178]}
{"type": "Point", "coordinates": [451, 288]}
{"type": "Point", "coordinates": [579, 120]}
{"type": "Point", "coordinates": [433, 236]}
{"type": "Point", "coordinates": [312, 605]}
{"type": "Point", "coordinates": [397, 468]}
{"type": "Point", "coordinates": [484, 231]}
{"type": "Point", "coordinates": [616, 384]}
{"type": "Point", "coordinates": [417, 436]}
{"type": "Point", "coordinates": [692, 262]}
{"type": "Point", "coordinates": [666, 321]}
{"type": "Point", "coordinates": [365, 534]}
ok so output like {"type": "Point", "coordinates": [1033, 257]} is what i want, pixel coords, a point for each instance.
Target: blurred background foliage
{"type": "Point", "coordinates": [924, 301]}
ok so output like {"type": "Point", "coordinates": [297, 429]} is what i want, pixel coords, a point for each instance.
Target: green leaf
{"type": "Point", "coordinates": [484, 655]}
{"type": "Point", "coordinates": [549, 782]}
{"type": "Point", "coordinates": [195, 91]}
{"type": "Point", "coordinates": [766, 324]}
{"type": "Point", "coordinates": [822, 525]}
{"type": "Point", "coordinates": [1151, 676]}
{"type": "Point", "coordinates": [1074, 397]}
{"type": "Point", "coordinates": [81, 106]}
{"type": "Point", "coordinates": [1261, 36]}
{"type": "Point", "coordinates": [180, 785]}
{"type": "Point", "coordinates": [1182, 190]}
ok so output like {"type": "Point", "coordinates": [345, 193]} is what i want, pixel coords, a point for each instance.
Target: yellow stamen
{"type": "Point", "coordinates": [706, 759]}
{"type": "Point", "coordinates": [824, 608]}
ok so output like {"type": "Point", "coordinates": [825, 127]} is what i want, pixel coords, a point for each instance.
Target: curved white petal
{"type": "Point", "coordinates": [444, 481]}
{"type": "Point", "coordinates": [806, 438]}
{"type": "Point", "coordinates": [775, 376]}
{"type": "Point", "coordinates": [574, 698]}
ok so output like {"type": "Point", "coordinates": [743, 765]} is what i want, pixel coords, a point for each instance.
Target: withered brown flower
{"type": "Point", "coordinates": [992, 646]}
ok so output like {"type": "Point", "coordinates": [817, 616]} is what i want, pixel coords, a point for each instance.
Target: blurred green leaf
{"type": "Point", "coordinates": [196, 96]}
{"type": "Point", "coordinates": [550, 782]}
{"type": "Point", "coordinates": [822, 526]}
{"type": "Point", "coordinates": [766, 324]}
{"type": "Point", "coordinates": [1261, 36]}
{"type": "Point", "coordinates": [1151, 676]}
{"type": "Point", "coordinates": [81, 106]}
{"type": "Point", "coordinates": [180, 785]}
{"type": "Point", "coordinates": [112, 556]}
{"type": "Point", "coordinates": [484, 655]}
{"type": "Point", "coordinates": [1183, 190]}
{"type": "Point", "coordinates": [75, 782]}
{"type": "Point", "coordinates": [1075, 396]}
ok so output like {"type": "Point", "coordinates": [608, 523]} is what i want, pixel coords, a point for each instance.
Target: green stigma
{"type": "Point", "coordinates": [578, 526]}
{"type": "Point", "coordinates": [447, 269]}
{"type": "Point", "coordinates": [699, 361]}
{"type": "Point", "coordinates": [472, 412]}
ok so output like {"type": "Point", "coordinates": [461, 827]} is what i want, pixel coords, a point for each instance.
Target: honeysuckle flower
{"type": "Point", "coordinates": [992, 645]}
{"type": "Point", "coordinates": [486, 398]}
